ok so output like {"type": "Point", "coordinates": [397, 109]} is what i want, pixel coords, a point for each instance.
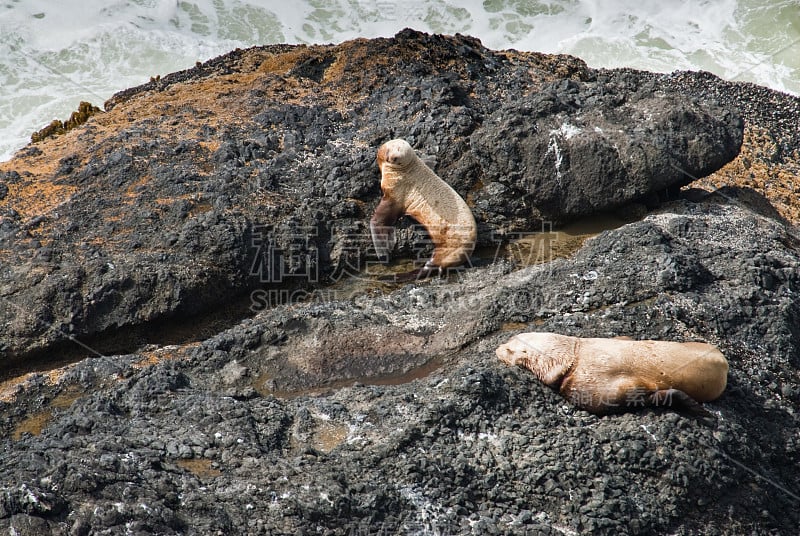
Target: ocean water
{"type": "Point", "coordinates": [55, 54]}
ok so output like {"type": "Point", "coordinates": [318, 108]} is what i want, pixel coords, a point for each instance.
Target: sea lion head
{"type": "Point", "coordinates": [548, 355]}
{"type": "Point", "coordinates": [396, 153]}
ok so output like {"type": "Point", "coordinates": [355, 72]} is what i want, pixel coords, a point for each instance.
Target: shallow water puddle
{"type": "Point", "coordinates": [514, 326]}
{"type": "Point", "coordinates": [550, 244]}
{"type": "Point", "coordinates": [532, 248]}
{"type": "Point", "coordinates": [262, 382]}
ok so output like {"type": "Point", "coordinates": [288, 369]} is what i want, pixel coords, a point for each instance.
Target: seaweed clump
{"type": "Point", "coordinates": [58, 127]}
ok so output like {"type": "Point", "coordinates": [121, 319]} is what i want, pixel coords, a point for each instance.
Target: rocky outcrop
{"type": "Point", "coordinates": [198, 443]}
{"type": "Point", "coordinates": [160, 206]}
{"type": "Point", "coordinates": [574, 149]}
{"type": "Point", "coordinates": [374, 409]}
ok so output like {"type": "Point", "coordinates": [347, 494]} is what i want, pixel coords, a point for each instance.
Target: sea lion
{"type": "Point", "coordinates": [611, 375]}
{"type": "Point", "coordinates": [411, 187]}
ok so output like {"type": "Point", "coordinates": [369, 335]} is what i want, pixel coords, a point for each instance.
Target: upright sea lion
{"type": "Point", "coordinates": [608, 375]}
{"type": "Point", "coordinates": [410, 187]}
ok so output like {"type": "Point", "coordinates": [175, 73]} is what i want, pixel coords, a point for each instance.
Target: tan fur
{"type": "Point", "coordinates": [602, 374]}
{"type": "Point", "coordinates": [407, 181]}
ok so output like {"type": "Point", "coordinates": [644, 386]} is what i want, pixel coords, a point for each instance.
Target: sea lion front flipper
{"type": "Point", "coordinates": [675, 398]}
{"type": "Point", "coordinates": [381, 227]}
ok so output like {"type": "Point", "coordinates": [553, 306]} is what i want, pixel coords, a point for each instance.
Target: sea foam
{"type": "Point", "coordinates": [55, 54]}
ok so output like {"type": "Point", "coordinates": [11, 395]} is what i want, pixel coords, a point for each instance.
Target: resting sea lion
{"type": "Point", "coordinates": [607, 375]}
{"type": "Point", "coordinates": [410, 187]}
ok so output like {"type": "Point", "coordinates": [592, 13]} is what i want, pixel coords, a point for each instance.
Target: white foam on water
{"type": "Point", "coordinates": [55, 54]}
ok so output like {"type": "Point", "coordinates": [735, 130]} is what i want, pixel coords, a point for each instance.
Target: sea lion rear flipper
{"type": "Point", "coordinates": [381, 227]}
{"type": "Point", "coordinates": [675, 398]}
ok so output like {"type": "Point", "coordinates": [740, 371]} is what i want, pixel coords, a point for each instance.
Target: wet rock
{"type": "Point", "coordinates": [192, 208]}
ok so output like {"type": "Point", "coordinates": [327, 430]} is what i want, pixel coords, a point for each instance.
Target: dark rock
{"type": "Point", "coordinates": [193, 209]}
{"type": "Point", "coordinates": [373, 409]}
{"type": "Point", "coordinates": [576, 148]}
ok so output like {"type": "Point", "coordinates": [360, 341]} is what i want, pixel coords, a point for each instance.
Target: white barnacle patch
{"type": "Point", "coordinates": [30, 496]}
{"type": "Point", "coordinates": [488, 438]}
{"type": "Point", "coordinates": [431, 514]}
{"type": "Point", "coordinates": [552, 147]}
{"type": "Point", "coordinates": [491, 438]}
{"type": "Point", "coordinates": [325, 497]}
{"type": "Point", "coordinates": [566, 131]}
